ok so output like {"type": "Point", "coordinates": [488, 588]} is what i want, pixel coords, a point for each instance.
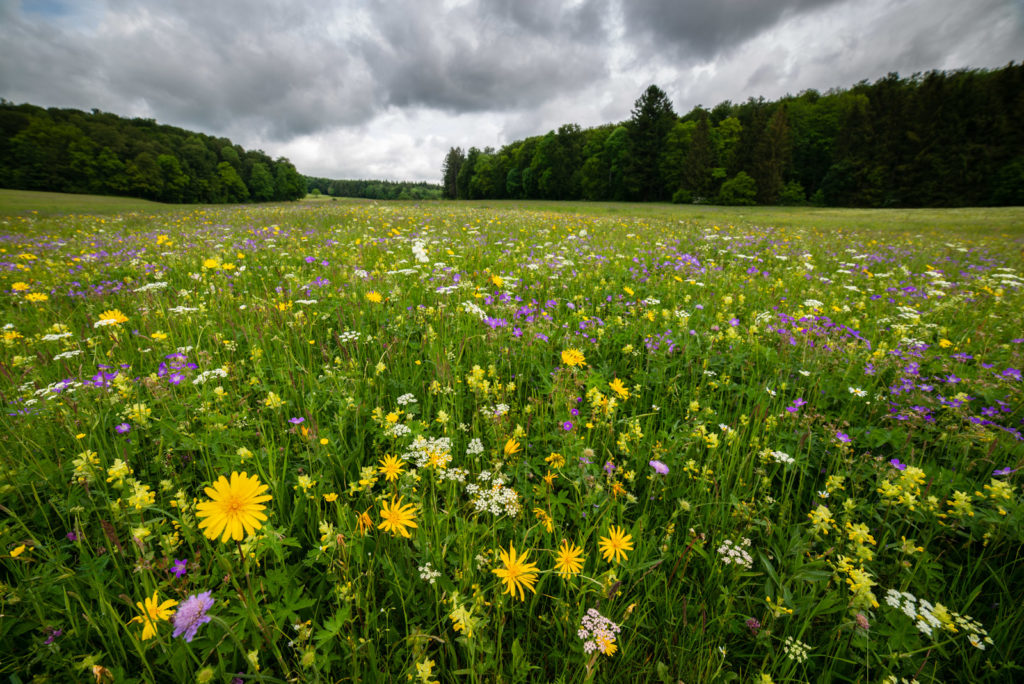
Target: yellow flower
{"type": "Point", "coordinates": [273, 401]}
{"type": "Point", "coordinates": [573, 358]}
{"type": "Point", "coordinates": [331, 498]}
{"type": "Point", "coordinates": [213, 263]}
{"type": "Point", "coordinates": [159, 336]}
{"type": "Point", "coordinates": [395, 518]}
{"type": "Point", "coordinates": [606, 644]}
{"type": "Point", "coordinates": [18, 551]}
{"type": "Point", "coordinates": [364, 522]}
{"type": "Point", "coordinates": [236, 508]}
{"type": "Point", "coordinates": [114, 316]}
{"type": "Point", "coordinates": [391, 467]}
{"type": "Point", "coordinates": [497, 280]}
{"type": "Point", "coordinates": [20, 286]}
{"type": "Point", "coordinates": [153, 611]}
{"type": "Point", "coordinates": [619, 388]}
{"type": "Point", "coordinates": [569, 560]}
{"type": "Point", "coordinates": [821, 519]}
{"type": "Point", "coordinates": [374, 296]}
{"type": "Point", "coordinates": [546, 520]}
{"type": "Point", "coordinates": [512, 446]}
{"type": "Point", "coordinates": [516, 573]}
{"type": "Point", "coordinates": [36, 297]}
{"type": "Point", "coordinates": [615, 545]}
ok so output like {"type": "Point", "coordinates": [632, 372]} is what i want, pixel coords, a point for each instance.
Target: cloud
{"type": "Point", "coordinates": [700, 30]}
{"type": "Point", "coordinates": [362, 88]}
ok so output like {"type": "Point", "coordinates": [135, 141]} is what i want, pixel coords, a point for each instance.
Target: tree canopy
{"type": "Point", "coordinates": [933, 139]}
{"type": "Point", "coordinates": [68, 150]}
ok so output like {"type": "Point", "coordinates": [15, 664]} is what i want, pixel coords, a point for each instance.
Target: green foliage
{"type": "Point", "coordinates": [67, 150]}
{"type": "Point", "coordinates": [935, 139]}
{"type": "Point", "coordinates": [806, 421]}
{"type": "Point", "coordinates": [738, 190]}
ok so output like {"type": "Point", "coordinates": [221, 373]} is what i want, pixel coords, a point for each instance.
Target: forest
{"type": "Point", "coordinates": [373, 189]}
{"type": "Point", "coordinates": [939, 139]}
{"type": "Point", "coordinates": [68, 150]}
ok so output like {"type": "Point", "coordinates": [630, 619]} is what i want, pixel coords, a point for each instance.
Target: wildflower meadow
{"type": "Point", "coordinates": [346, 441]}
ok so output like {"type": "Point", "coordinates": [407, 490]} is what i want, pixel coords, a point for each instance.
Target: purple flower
{"type": "Point", "coordinates": [179, 568]}
{"type": "Point", "coordinates": [659, 467]}
{"type": "Point", "coordinates": [895, 463]}
{"type": "Point", "coordinates": [1005, 471]}
{"type": "Point", "coordinates": [72, 536]}
{"type": "Point", "coordinates": [567, 426]}
{"type": "Point", "coordinates": [175, 378]}
{"type": "Point", "coordinates": [122, 428]}
{"type": "Point", "coordinates": [296, 421]}
{"type": "Point", "coordinates": [191, 615]}
{"type": "Point", "coordinates": [54, 633]}
{"type": "Point", "coordinates": [609, 467]}
{"type": "Point", "coordinates": [797, 403]}
{"type": "Point", "coordinates": [843, 437]}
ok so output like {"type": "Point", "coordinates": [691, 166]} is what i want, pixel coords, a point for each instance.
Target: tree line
{"type": "Point", "coordinates": [373, 189]}
{"type": "Point", "coordinates": [934, 139]}
{"type": "Point", "coordinates": [68, 150]}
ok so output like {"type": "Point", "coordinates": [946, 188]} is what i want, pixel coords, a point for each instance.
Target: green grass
{"type": "Point", "coordinates": [30, 203]}
{"type": "Point", "coordinates": [820, 407]}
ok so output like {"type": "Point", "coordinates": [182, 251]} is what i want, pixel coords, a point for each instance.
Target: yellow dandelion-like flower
{"type": "Point", "coordinates": [153, 611]}
{"type": "Point", "coordinates": [113, 317]}
{"type": "Point", "coordinates": [606, 644]}
{"type": "Point", "coordinates": [391, 467]}
{"type": "Point", "coordinates": [568, 560]}
{"type": "Point", "coordinates": [36, 297]}
{"type": "Point", "coordinates": [516, 573]}
{"type": "Point", "coordinates": [615, 545]}
{"type": "Point", "coordinates": [512, 446]}
{"type": "Point", "coordinates": [497, 280]}
{"type": "Point", "coordinates": [374, 297]}
{"type": "Point", "coordinates": [573, 358]}
{"type": "Point", "coordinates": [235, 509]}
{"type": "Point", "coordinates": [20, 286]}
{"type": "Point", "coordinates": [364, 522]}
{"type": "Point", "coordinates": [395, 518]}
{"type": "Point", "coordinates": [619, 388]}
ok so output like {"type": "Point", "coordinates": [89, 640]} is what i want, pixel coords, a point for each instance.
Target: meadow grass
{"type": "Point", "coordinates": [733, 445]}
{"type": "Point", "coordinates": [30, 203]}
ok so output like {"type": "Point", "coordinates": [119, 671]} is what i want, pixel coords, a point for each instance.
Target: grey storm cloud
{"type": "Point", "coordinates": [697, 29]}
{"type": "Point", "coordinates": [488, 55]}
{"type": "Point", "coordinates": [293, 70]}
{"type": "Point", "coordinates": [383, 88]}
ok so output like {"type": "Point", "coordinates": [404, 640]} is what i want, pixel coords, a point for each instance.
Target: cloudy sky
{"type": "Point", "coordinates": [383, 88]}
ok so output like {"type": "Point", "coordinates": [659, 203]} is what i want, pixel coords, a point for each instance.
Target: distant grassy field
{"type": "Point", "coordinates": [509, 441]}
{"type": "Point", "coordinates": [28, 203]}
{"type": "Point", "coordinates": [988, 221]}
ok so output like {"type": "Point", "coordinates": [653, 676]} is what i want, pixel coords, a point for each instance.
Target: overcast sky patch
{"type": "Point", "coordinates": [382, 90]}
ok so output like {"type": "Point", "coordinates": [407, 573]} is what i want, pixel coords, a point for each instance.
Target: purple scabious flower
{"type": "Point", "coordinates": [659, 467]}
{"type": "Point", "coordinates": [191, 615]}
